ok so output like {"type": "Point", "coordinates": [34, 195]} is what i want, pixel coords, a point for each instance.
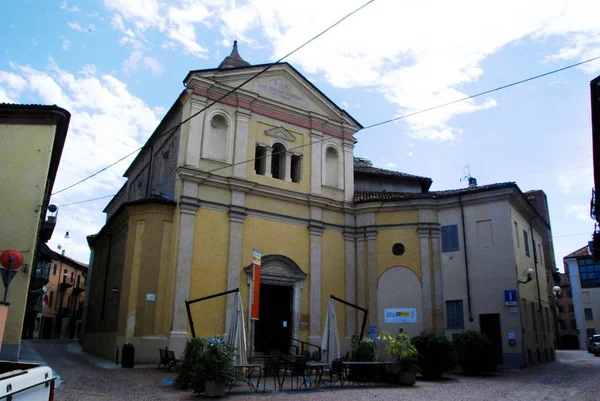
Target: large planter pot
{"type": "Point", "coordinates": [214, 389]}
{"type": "Point", "coordinates": [407, 377]}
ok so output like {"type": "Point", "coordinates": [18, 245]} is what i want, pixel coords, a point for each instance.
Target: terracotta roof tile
{"type": "Point", "coordinates": [362, 197]}
{"type": "Point", "coordinates": [583, 251]}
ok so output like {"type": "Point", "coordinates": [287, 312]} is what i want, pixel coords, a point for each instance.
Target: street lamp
{"type": "Point", "coordinates": [556, 290]}
{"type": "Point", "coordinates": [528, 276]}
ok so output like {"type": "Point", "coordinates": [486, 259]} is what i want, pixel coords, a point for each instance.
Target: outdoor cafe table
{"type": "Point", "coordinates": [317, 368]}
{"type": "Point", "coordinates": [377, 368]}
{"type": "Point", "coordinates": [247, 369]}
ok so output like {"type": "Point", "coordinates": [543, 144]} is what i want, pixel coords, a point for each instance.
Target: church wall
{"type": "Point", "coordinates": [333, 217]}
{"type": "Point", "coordinates": [209, 271]}
{"type": "Point", "coordinates": [397, 217]}
{"type": "Point", "coordinates": [412, 254]}
{"type": "Point", "coordinates": [277, 206]}
{"type": "Point", "coordinates": [333, 277]}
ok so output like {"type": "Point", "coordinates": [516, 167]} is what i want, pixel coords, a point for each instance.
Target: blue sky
{"type": "Point", "coordinates": [118, 65]}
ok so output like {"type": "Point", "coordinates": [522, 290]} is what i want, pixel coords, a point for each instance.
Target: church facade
{"type": "Point", "coordinates": [269, 167]}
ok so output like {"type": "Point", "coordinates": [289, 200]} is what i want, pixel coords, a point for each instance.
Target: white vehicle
{"type": "Point", "coordinates": [26, 382]}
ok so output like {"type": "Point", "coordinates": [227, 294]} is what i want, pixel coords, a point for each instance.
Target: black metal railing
{"type": "Point", "coordinates": [593, 205]}
{"type": "Point", "coordinates": [304, 344]}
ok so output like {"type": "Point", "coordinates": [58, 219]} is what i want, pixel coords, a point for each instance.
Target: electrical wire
{"type": "Point", "coordinates": [267, 68]}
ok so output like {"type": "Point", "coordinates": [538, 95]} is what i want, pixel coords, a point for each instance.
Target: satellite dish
{"type": "Point", "coordinates": [52, 208]}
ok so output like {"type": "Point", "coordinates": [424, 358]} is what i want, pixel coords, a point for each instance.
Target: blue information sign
{"type": "Point", "coordinates": [510, 297]}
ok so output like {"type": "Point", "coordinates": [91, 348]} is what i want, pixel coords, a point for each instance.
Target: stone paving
{"type": "Point", "coordinates": [575, 376]}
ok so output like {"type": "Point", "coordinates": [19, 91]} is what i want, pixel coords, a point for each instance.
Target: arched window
{"type": "Point", "coordinates": [278, 161]}
{"type": "Point", "coordinates": [332, 167]}
{"type": "Point", "coordinates": [217, 138]}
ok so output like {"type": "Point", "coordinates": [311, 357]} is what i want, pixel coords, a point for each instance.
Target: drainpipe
{"type": "Point", "coordinates": [537, 276]}
{"type": "Point", "coordinates": [462, 215]}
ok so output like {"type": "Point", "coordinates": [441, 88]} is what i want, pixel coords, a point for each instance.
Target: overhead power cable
{"type": "Point", "coordinates": [267, 68]}
{"type": "Point", "coordinates": [420, 111]}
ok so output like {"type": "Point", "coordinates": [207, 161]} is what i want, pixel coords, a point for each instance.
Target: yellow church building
{"type": "Point", "coordinates": [269, 167]}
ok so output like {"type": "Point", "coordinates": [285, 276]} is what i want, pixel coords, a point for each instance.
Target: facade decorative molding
{"type": "Point", "coordinates": [281, 133]}
{"type": "Point", "coordinates": [316, 228]}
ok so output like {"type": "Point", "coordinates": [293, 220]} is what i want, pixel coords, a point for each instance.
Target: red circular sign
{"type": "Point", "coordinates": [17, 259]}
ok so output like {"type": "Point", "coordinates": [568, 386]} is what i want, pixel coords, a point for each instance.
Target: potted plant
{"type": "Point", "coordinates": [364, 350]}
{"type": "Point", "coordinates": [476, 354]}
{"type": "Point", "coordinates": [436, 354]}
{"type": "Point", "coordinates": [404, 352]}
{"type": "Point", "coordinates": [190, 373]}
{"type": "Point", "coordinates": [217, 366]}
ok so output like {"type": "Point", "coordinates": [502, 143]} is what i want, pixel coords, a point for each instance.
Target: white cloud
{"type": "Point", "coordinates": [576, 180]}
{"type": "Point", "coordinates": [105, 117]}
{"type": "Point", "coordinates": [580, 212]}
{"type": "Point", "coordinates": [417, 59]}
{"type": "Point", "coordinates": [410, 154]}
{"type": "Point", "coordinates": [153, 65]}
{"type": "Point", "coordinates": [391, 165]}
{"type": "Point", "coordinates": [65, 44]}
{"type": "Point", "coordinates": [149, 63]}
{"type": "Point", "coordinates": [75, 26]}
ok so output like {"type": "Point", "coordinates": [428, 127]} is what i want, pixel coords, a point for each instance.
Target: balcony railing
{"type": "Point", "coordinates": [593, 205]}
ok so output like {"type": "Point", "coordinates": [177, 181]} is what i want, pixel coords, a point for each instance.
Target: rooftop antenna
{"type": "Point", "coordinates": [467, 176]}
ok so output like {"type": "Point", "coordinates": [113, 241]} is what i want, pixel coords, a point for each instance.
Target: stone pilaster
{"type": "Point", "coordinates": [195, 128]}
{"type": "Point", "coordinates": [237, 213]}
{"type": "Point", "coordinates": [437, 279]}
{"type": "Point", "coordinates": [316, 232]}
{"type": "Point", "coordinates": [361, 295]}
{"type": "Point", "coordinates": [348, 171]}
{"type": "Point", "coordinates": [179, 334]}
{"type": "Point", "coordinates": [241, 143]}
{"type": "Point", "coordinates": [288, 167]}
{"type": "Point", "coordinates": [316, 153]}
{"type": "Point", "coordinates": [350, 254]}
{"type": "Point", "coordinates": [371, 234]}
{"type": "Point", "coordinates": [424, 237]}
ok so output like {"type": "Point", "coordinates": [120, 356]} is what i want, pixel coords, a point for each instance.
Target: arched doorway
{"type": "Point", "coordinates": [281, 283]}
{"type": "Point", "coordinates": [400, 301]}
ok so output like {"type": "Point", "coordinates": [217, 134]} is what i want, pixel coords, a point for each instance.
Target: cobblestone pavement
{"type": "Point", "coordinates": [575, 376]}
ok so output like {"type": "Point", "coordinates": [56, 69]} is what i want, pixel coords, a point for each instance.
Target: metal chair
{"type": "Point", "coordinates": [335, 373]}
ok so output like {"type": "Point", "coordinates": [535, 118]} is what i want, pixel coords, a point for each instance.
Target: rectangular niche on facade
{"type": "Point", "coordinates": [260, 160]}
{"type": "Point", "coordinates": [296, 173]}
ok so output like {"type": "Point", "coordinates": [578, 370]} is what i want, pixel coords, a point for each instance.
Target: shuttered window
{"type": "Point", "coordinates": [449, 238]}
{"type": "Point", "coordinates": [454, 315]}
{"type": "Point", "coordinates": [526, 241]}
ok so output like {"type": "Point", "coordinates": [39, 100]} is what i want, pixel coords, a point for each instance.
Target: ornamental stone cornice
{"type": "Point", "coordinates": [316, 228]}
{"type": "Point", "coordinates": [281, 133]}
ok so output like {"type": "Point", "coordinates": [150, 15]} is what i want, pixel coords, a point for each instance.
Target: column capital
{"type": "Point", "coordinates": [237, 214]}
{"type": "Point", "coordinates": [316, 228]}
{"type": "Point", "coordinates": [424, 232]}
{"type": "Point", "coordinates": [188, 205]}
{"type": "Point", "coordinates": [371, 233]}
{"type": "Point", "coordinates": [350, 234]}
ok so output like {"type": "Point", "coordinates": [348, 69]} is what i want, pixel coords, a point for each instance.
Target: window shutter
{"type": "Point", "coordinates": [454, 237]}
{"type": "Point", "coordinates": [445, 239]}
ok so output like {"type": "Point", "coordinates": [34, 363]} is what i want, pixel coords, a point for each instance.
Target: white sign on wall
{"type": "Point", "coordinates": [400, 315]}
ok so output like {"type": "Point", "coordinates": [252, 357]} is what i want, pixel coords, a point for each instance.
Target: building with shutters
{"type": "Point", "coordinates": [271, 167]}
{"type": "Point", "coordinates": [584, 276]}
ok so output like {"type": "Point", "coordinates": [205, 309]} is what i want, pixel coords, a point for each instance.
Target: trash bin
{"type": "Point", "coordinates": [127, 356]}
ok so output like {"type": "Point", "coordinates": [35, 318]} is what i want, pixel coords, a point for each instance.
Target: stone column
{"type": "Point", "coordinates": [179, 328]}
{"type": "Point", "coordinates": [426, 278]}
{"type": "Point", "coordinates": [316, 231]}
{"type": "Point", "coordinates": [438, 288]}
{"type": "Point", "coordinates": [195, 128]}
{"type": "Point", "coordinates": [316, 153]}
{"type": "Point", "coordinates": [241, 143]}
{"type": "Point", "coordinates": [349, 238]}
{"type": "Point", "coordinates": [288, 167]}
{"type": "Point", "coordinates": [371, 233]}
{"type": "Point", "coordinates": [269, 152]}
{"type": "Point", "coordinates": [237, 213]}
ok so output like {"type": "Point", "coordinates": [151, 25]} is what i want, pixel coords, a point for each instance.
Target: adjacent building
{"type": "Point", "coordinates": [31, 142]}
{"type": "Point", "coordinates": [271, 168]}
{"type": "Point", "coordinates": [567, 325]}
{"type": "Point", "coordinates": [584, 275]}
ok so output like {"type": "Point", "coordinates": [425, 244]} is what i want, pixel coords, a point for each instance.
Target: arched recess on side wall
{"type": "Point", "coordinates": [399, 288]}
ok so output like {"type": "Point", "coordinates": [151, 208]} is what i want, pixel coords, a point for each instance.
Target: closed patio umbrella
{"type": "Point", "coordinates": [236, 335]}
{"type": "Point", "coordinates": [330, 345]}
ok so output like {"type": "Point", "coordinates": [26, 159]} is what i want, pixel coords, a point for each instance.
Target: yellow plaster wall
{"type": "Point", "coordinates": [277, 238]}
{"type": "Point", "coordinates": [256, 134]}
{"type": "Point", "coordinates": [333, 276]}
{"type": "Point", "coordinates": [412, 254]}
{"type": "Point", "coordinates": [24, 164]}
{"type": "Point", "coordinates": [277, 206]}
{"type": "Point", "coordinates": [397, 217]}
{"type": "Point", "coordinates": [213, 194]}
{"type": "Point", "coordinates": [332, 217]}
{"type": "Point", "coordinates": [209, 271]}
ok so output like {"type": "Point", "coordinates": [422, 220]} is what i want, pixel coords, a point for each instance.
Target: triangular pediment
{"type": "Point", "coordinates": [281, 133]}
{"type": "Point", "coordinates": [284, 85]}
